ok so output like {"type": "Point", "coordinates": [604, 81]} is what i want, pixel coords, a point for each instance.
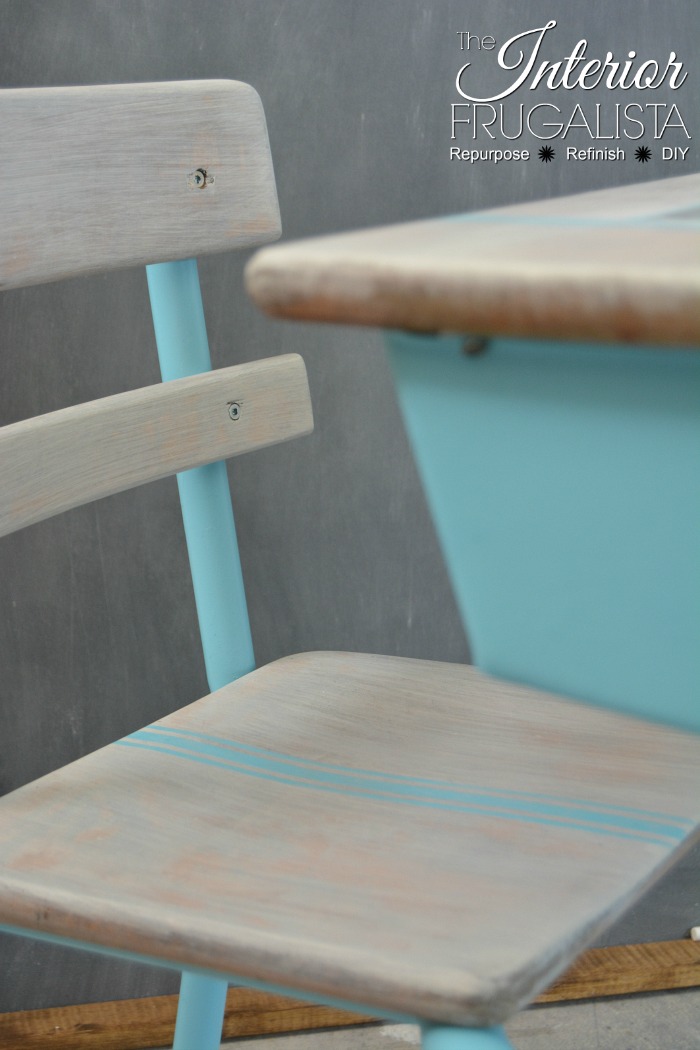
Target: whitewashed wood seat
{"type": "Point", "coordinates": [412, 836]}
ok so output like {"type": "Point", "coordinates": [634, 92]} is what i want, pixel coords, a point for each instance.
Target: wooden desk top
{"type": "Point", "coordinates": [619, 265]}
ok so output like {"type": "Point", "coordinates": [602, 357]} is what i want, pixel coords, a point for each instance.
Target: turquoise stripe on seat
{"type": "Point", "coordinates": [284, 769]}
{"type": "Point", "coordinates": [357, 771]}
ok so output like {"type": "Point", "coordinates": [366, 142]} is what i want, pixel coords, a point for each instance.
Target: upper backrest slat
{"type": "Point", "coordinates": [61, 460]}
{"type": "Point", "coordinates": [96, 178]}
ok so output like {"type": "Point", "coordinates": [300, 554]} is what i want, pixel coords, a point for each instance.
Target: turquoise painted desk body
{"type": "Point", "coordinates": [564, 482]}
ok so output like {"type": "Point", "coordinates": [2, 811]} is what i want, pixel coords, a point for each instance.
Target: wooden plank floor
{"type": "Point", "coordinates": [139, 1024]}
{"type": "Point", "coordinates": [627, 969]}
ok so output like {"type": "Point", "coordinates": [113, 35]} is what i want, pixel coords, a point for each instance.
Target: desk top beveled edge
{"type": "Point", "coordinates": [620, 265]}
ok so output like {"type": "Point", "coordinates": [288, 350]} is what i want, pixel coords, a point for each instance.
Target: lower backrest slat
{"type": "Point", "coordinates": [57, 461]}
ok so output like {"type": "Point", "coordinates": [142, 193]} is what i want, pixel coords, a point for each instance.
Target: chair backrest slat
{"type": "Point", "coordinates": [97, 178]}
{"type": "Point", "coordinates": [57, 461]}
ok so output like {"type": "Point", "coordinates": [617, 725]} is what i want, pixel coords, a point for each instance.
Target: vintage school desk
{"type": "Point", "coordinates": [266, 834]}
{"type": "Point", "coordinates": [545, 358]}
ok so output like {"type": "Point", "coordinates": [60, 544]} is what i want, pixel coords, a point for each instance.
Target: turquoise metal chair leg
{"type": "Point", "coordinates": [445, 1037]}
{"type": "Point", "coordinates": [183, 350]}
{"type": "Point", "coordinates": [200, 1013]}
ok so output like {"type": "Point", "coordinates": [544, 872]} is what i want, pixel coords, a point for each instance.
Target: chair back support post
{"type": "Point", "coordinates": [205, 498]}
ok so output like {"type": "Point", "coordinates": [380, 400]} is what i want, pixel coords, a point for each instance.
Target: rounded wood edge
{"type": "Point", "coordinates": [369, 301]}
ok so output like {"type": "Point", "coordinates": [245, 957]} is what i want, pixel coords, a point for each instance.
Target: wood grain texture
{"type": "Point", "coordinates": [140, 1024]}
{"type": "Point", "coordinates": [411, 836]}
{"type": "Point", "coordinates": [53, 462]}
{"type": "Point", "coordinates": [96, 178]}
{"type": "Point", "coordinates": [628, 969]}
{"type": "Point", "coordinates": [619, 265]}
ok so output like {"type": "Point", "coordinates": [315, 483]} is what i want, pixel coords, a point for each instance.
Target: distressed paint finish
{"type": "Point", "coordinates": [57, 461]}
{"type": "Point", "coordinates": [618, 266]}
{"type": "Point", "coordinates": [411, 836]}
{"type": "Point", "coordinates": [96, 178]}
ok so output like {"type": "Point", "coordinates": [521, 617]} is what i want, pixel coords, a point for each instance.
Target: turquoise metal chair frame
{"type": "Point", "coordinates": [442, 1037]}
{"type": "Point", "coordinates": [217, 578]}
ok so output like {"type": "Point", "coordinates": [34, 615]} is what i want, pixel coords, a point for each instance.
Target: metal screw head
{"type": "Point", "coordinates": [234, 410]}
{"type": "Point", "coordinates": [198, 179]}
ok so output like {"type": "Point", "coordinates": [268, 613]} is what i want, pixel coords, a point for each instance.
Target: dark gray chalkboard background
{"type": "Point", "coordinates": [97, 628]}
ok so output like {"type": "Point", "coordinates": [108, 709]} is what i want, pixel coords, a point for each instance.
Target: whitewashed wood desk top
{"type": "Point", "coordinates": [619, 265]}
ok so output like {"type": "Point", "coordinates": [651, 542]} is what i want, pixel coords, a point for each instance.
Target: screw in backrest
{"type": "Point", "coordinates": [199, 179]}
{"type": "Point", "coordinates": [234, 410]}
